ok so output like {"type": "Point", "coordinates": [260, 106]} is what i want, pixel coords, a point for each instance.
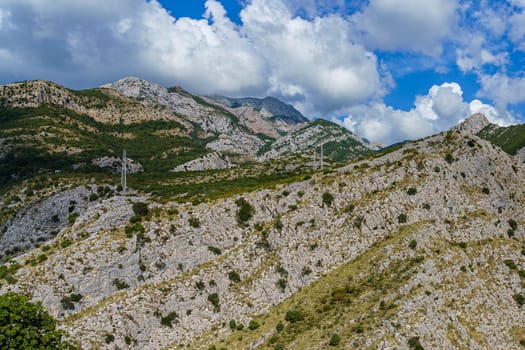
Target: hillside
{"type": "Point", "coordinates": [419, 245]}
{"type": "Point", "coordinates": [511, 138]}
{"type": "Point", "coordinates": [46, 129]}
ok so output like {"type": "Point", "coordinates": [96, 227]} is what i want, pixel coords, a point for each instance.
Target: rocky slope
{"type": "Point", "coordinates": [511, 139]}
{"type": "Point", "coordinates": [423, 244]}
{"type": "Point", "coordinates": [245, 125]}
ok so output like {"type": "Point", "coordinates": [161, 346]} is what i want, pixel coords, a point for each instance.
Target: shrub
{"type": "Point", "coordinates": [510, 264]}
{"type": "Point", "coordinates": [449, 158]}
{"type": "Point", "coordinates": [127, 339]}
{"type": "Point", "coordinates": [67, 304]}
{"type": "Point", "coordinates": [135, 228]}
{"type": "Point", "coordinates": [414, 344]}
{"type": "Point", "coordinates": [233, 324]}
{"type": "Point", "coordinates": [253, 325]}
{"type": "Point", "coordinates": [134, 219]}
{"type": "Point", "coordinates": [72, 218]}
{"type": "Point", "coordinates": [520, 299]}
{"type": "Point", "coordinates": [412, 244]}
{"type": "Point", "coordinates": [402, 218]}
{"type": "Point", "coordinates": [200, 285]}
{"type": "Point", "coordinates": [240, 326]}
{"type": "Point", "coordinates": [437, 169]}
{"type": "Point", "coordinates": [140, 209]}
{"type": "Point", "coordinates": [281, 283]}
{"type": "Point", "coordinates": [213, 298]}
{"type": "Point", "coordinates": [294, 316]}
{"type": "Point", "coordinates": [279, 327]}
{"type": "Point", "coordinates": [75, 297]}
{"type": "Point", "coordinates": [214, 250]}
{"type": "Point", "coordinates": [426, 206]}
{"type": "Point", "coordinates": [485, 190]}
{"type": "Point", "coordinates": [169, 319]}
{"type": "Point", "coordinates": [93, 197]}
{"type": "Point", "coordinates": [109, 338]}
{"type": "Point", "coordinates": [328, 199]}
{"type": "Point", "coordinates": [66, 243]}
{"type": "Point", "coordinates": [335, 340]}
{"type": "Point", "coordinates": [120, 284]}
{"type": "Point", "coordinates": [412, 191]}
{"type": "Point", "coordinates": [194, 222]}
{"type": "Point", "coordinates": [513, 224]}
{"type": "Point", "coordinates": [234, 276]}
{"type": "Point", "coordinates": [245, 211]}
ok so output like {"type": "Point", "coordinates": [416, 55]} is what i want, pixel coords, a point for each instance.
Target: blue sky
{"type": "Point", "coordinates": [387, 69]}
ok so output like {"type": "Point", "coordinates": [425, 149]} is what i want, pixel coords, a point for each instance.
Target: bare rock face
{"type": "Point", "coordinates": [214, 160]}
{"type": "Point", "coordinates": [115, 164]}
{"type": "Point", "coordinates": [42, 220]}
{"type": "Point", "coordinates": [198, 262]}
{"type": "Point", "coordinates": [473, 124]}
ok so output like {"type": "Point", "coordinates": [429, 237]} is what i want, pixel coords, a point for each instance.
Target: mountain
{"type": "Point", "coordinates": [270, 107]}
{"type": "Point", "coordinates": [420, 246]}
{"type": "Point", "coordinates": [511, 138]}
{"type": "Point", "coordinates": [245, 125]}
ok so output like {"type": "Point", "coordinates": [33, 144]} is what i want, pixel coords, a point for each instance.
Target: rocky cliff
{"type": "Point", "coordinates": [419, 246]}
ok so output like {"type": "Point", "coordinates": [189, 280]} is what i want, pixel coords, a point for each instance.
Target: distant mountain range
{"type": "Point", "coordinates": [46, 127]}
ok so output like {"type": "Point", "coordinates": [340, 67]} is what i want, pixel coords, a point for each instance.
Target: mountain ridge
{"type": "Point", "coordinates": [373, 232]}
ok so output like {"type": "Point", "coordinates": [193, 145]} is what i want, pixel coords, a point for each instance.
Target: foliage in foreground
{"type": "Point", "coordinates": [26, 325]}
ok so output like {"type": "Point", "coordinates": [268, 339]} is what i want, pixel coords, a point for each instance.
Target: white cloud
{"type": "Point", "coordinates": [502, 89]}
{"type": "Point", "coordinates": [517, 29]}
{"type": "Point", "coordinates": [413, 25]}
{"type": "Point", "coordinates": [473, 55]}
{"type": "Point", "coordinates": [314, 61]}
{"type": "Point", "coordinates": [439, 110]}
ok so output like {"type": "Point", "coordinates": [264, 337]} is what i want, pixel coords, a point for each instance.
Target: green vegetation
{"type": "Point", "coordinates": [213, 298]}
{"type": "Point", "coordinates": [510, 139]}
{"type": "Point", "coordinates": [72, 218]}
{"type": "Point", "coordinates": [334, 340]}
{"type": "Point", "coordinates": [234, 276]}
{"type": "Point", "coordinates": [169, 319]}
{"type": "Point", "coordinates": [511, 264]}
{"type": "Point", "coordinates": [414, 344]}
{"type": "Point", "coordinates": [194, 222]}
{"type": "Point", "coordinates": [293, 316]}
{"type": "Point", "coordinates": [120, 284]}
{"type": "Point", "coordinates": [520, 299]}
{"type": "Point", "coordinates": [215, 250]}
{"type": "Point", "coordinates": [253, 325]}
{"type": "Point", "coordinates": [328, 199]}
{"type": "Point", "coordinates": [140, 209]}
{"type": "Point", "coordinates": [25, 325]}
{"type": "Point", "coordinates": [412, 191]}
{"type": "Point", "coordinates": [245, 211]}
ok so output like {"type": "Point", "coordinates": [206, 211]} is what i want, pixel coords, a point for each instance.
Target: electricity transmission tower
{"type": "Point", "coordinates": [123, 171]}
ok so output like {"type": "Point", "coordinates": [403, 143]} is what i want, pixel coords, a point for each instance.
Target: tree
{"type": "Point", "coordinates": [26, 325]}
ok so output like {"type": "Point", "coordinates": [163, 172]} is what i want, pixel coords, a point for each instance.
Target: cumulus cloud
{"type": "Point", "coordinates": [439, 110]}
{"type": "Point", "coordinates": [316, 61]}
{"type": "Point", "coordinates": [414, 25]}
{"type": "Point", "coordinates": [312, 62]}
{"type": "Point", "coordinates": [502, 89]}
{"type": "Point", "coordinates": [474, 55]}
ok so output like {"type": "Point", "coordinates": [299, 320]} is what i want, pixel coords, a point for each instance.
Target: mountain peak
{"type": "Point", "coordinates": [473, 124]}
